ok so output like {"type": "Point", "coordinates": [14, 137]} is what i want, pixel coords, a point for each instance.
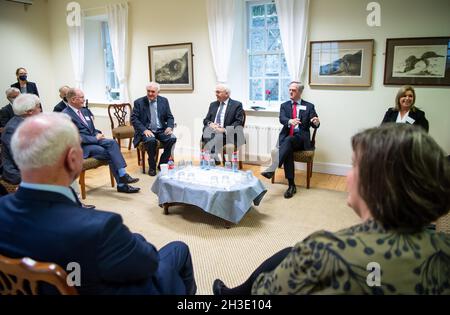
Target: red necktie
{"type": "Point", "coordinates": [294, 115]}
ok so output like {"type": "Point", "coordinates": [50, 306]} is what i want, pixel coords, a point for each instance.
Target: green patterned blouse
{"type": "Point", "coordinates": [343, 263]}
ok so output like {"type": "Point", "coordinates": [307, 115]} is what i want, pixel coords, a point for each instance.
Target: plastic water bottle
{"type": "Point", "coordinates": [206, 160]}
{"type": "Point", "coordinates": [202, 159]}
{"type": "Point", "coordinates": [235, 163]}
{"type": "Point", "coordinates": [171, 164]}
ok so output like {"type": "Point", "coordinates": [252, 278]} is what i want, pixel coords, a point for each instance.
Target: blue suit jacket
{"type": "Point", "coordinates": [11, 172]}
{"type": "Point", "coordinates": [31, 87]}
{"type": "Point", "coordinates": [87, 133]}
{"type": "Point", "coordinates": [49, 227]}
{"type": "Point", "coordinates": [60, 107]}
{"type": "Point", "coordinates": [6, 113]}
{"type": "Point", "coordinates": [141, 117]}
{"type": "Point", "coordinates": [305, 118]}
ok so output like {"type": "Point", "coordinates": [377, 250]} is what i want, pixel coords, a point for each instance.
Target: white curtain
{"type": "Point", "coordinates": [76, 41]}
{"type": "Point", "coordinates": [118, 33]}
{"type": "Point", "coordinates": [293, 21]}
{"type": "Point", "coordinates": [221, 29]}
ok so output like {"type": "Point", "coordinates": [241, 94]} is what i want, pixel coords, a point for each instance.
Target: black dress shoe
{"type": "Point", "coordinates": [218, 285]}
{"type": "Point", "coordinates": [290, 192]}
{"type": "Point", "coordinates": [268, 175]}
{"type": "Point", "coordinates": [87, 206]}
{"type": "Point", "coordinates": [152, 172]}
{"type": "Point", "coordinates": [128, 189]}
{"type": "Point", "coordinates": [127, 179]}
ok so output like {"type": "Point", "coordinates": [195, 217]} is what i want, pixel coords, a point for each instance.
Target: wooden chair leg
{"type": "Point", "coordinates": [112, 178]}
{"type": "Point", "coordinates": [240, 165]}
{"type": "Point", "coordinates": [308, 174]}
{"type": "Point", "coordinates": [273, 177]}
{"type": "Point", "coordinates": [129, 144]}
{"type": "Point", "coordinates": [118, 141]}
{"type": "Point", "coordinates": [143, 160]}
{"type": "Point", "coordinates": [82, 185]}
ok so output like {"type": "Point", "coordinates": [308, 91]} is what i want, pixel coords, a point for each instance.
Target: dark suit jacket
{"type": "Point", "coordinates": [234, 116]}
{"type": "Point", "coordinates": [31, 87]}
{"type": "Point", "coordinates": [305, 117]}
{"type": "Point", "coordinates": [11, 172]}
{"type": "Point", "coordinates": [47, 226]}
{"type": "Point", "coordinates": [141, 117]}
{"type": "Point", "coordinates": [417, 115]}
{"type": "Point", "coordinates": [6, 113]}
{"type": "Point", "coordinates": [60, 107]}
{"type": "Point", "coordinates": [87, 133]}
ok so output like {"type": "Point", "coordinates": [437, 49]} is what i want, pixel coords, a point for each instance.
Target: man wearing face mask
{"type": "Point", "coordinates": [23, 84]}
{"type": "Point", "coordinates": [6, 113]}
{"type": "Point", "coordinates": [63, 104]}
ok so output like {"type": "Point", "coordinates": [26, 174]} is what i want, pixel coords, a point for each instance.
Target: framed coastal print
{"type": "Point", "coordinates": [341, 62]}
{"type": "Point", "coordinates": [172, 66]}
{"type": "Point", "coordinates": [417, 61]}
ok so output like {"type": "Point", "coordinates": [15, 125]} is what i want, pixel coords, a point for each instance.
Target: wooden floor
{"type": "Point", "coordinates": [99, 176]}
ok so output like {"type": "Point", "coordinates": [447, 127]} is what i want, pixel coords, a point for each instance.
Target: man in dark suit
{"type": "Point", "coordinates": [63, 104]}
{"type": "Point", "coordinates": [24, 106]}
{"type": "Point", "coordinates": [6, 113]}
{"type": "Point", "coordinates": [44, 221]}
{"type": "Point", "coordinates": [23, 84]}
{"type": "Point", "coordinates": [95, 144]}
{"type": "Point", "coordinates": [296, 116]}
{"type": "Point", "coordinates": [152, 120]}
{"type": "Point", "coordinates": [223, 124]}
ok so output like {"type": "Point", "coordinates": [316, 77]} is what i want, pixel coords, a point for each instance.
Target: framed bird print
{"type": "Point", "coordinates": [417, 61]}
{"type": "Point", "coordinates": [341, 63]}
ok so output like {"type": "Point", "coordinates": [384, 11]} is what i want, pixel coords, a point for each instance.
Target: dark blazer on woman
{"type": "Point", "coordinates": [31, 87]}
{"type": "Point", "coordinates": [417, 115]}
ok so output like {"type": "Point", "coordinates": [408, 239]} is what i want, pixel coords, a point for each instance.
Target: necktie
{"type": "Point", "coordinates": [82, 117]}
{"type": "Point", "coordinates": [153, 123]}
{"type": "Point", "coordinates": [294, 115]}
{"type": "Point", "coordinates": [219, 114]}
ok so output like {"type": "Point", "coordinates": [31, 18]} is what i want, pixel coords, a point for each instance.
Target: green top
{"type": "Point", "coordinates": [336, 263]}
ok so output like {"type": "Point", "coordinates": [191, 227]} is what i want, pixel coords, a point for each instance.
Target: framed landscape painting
{"type": "Point", "coordinates": [341, 63]}
{"type": "Point", "coordinates": [417, 61]}
{"type": "Point", "coordinates": [172, 66]}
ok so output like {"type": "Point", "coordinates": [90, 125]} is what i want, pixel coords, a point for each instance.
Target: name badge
{"type": "Point", "coordinates": [87, 118]}
{"type": "Point", "coordinates": [302, 107]}
{"type": "Point", "coordinates": [410, 120]}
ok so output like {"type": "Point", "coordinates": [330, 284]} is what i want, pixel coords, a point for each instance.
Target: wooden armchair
{"type": "Point", "coordinates": [443, 224]}
{"type": "Point", "coordinates": [306, 156]}
{"type": "Point", "coordinates": [22, 277]}
{"type": "Point", "coordinates": [124, 130]}
{"type": "Point", "coordinates": [88, 164]}
{"type": "Point", "coordinates": [10, 188]}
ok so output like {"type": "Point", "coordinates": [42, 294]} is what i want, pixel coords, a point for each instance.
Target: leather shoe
{"type": "Point", "coordinates": [152, 172]}
{"type": "Point", "coordinates": [87, 206]}
{"type": "Point", "coordinates": [268, 175]}
{"type": "Point", "coordinates": [128, 189]}
{"type": "Point", "coordinates": [218, 285]}
{"type": "Point", "coordinates": [290, 192]}
{"type": "Point", "coordinates": [127, 179]}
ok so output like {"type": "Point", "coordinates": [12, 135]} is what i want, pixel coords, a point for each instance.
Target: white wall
{"type": "Point", "coordinates": [25, 42]}
{"type": "Point", "coordinates": [343, 111]}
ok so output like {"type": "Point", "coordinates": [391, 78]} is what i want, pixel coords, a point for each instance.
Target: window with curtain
{"type": "Point", "coordinates": [112, 88]}
{"type": "Point", "coordinates": [268, 75]}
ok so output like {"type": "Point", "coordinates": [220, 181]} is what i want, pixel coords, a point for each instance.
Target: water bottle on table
{"type": "Point", "coordinates": [235, 162]}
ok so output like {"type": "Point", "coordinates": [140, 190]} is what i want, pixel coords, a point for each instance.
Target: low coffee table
{"type": "Point", "coordinates": [225, 194]}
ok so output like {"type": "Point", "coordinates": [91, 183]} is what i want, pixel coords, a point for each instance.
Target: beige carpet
{"type": "Point", "coordinates": [230, 254]}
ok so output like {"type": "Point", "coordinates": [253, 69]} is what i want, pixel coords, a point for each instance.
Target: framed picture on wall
{"type": "Point", "coordinates": [417, 61]}
{"type": "Point", "coordinates": [172, 66]}
{"type": "Point", "coordinates": [341, 63]}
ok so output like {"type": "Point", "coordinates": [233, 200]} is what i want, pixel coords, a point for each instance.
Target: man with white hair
{"type": "Point", "coordinates": [152, 120]}
{"type": "Point", "coordinates": [43, 220]}
{"type": "Point", "coordinates": [6, 113]}
{"type": "Point", "coordinates": [95, 144]}
{"type": "Point", "coordinates": [223, 124]}
{"type": "Point", "coordinates": [24, 106]}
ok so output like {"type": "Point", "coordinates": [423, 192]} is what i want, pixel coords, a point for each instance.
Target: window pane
{"type": "Point", "coordinates": [256, 66]}
{"type": "Point", "coordinates": [285, 89]}
{"type": "Point", "coordinates": [272, 18]}
{"type": "Point", "coordinates": [257, 40]}
{"type": "Point", "coordinates": [273, 40]}
{"type": "Point", "coordinates": [271, 89]}
{"type": "Point", "coordinates": [256, 90]}
{"type": "Point", "coordinates": [258, 13]}
{"type": "Point", "coordinates": [272, 65]}
{"type": "Point", "coordinates": [284, 68]}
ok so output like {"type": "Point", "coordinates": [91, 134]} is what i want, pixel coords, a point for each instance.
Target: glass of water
{"type": "Point", "coordinates": [249, 175]}
{"type": "Point", "coordinates": [214, 180]}
{"type": "Point", "coordinates": [212, 163]}
{"type": "Point", "coordinates": [181, 175]}
{"type": "Point", "coordinates": [228, 166]}
{"type": "Point", "coordinates": [181, 164]}
{"type": "Point", "coordinates": [189, 163]}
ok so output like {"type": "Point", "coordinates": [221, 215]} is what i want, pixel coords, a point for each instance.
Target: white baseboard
{"type": "Point", "coordinates": [319, 167]}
